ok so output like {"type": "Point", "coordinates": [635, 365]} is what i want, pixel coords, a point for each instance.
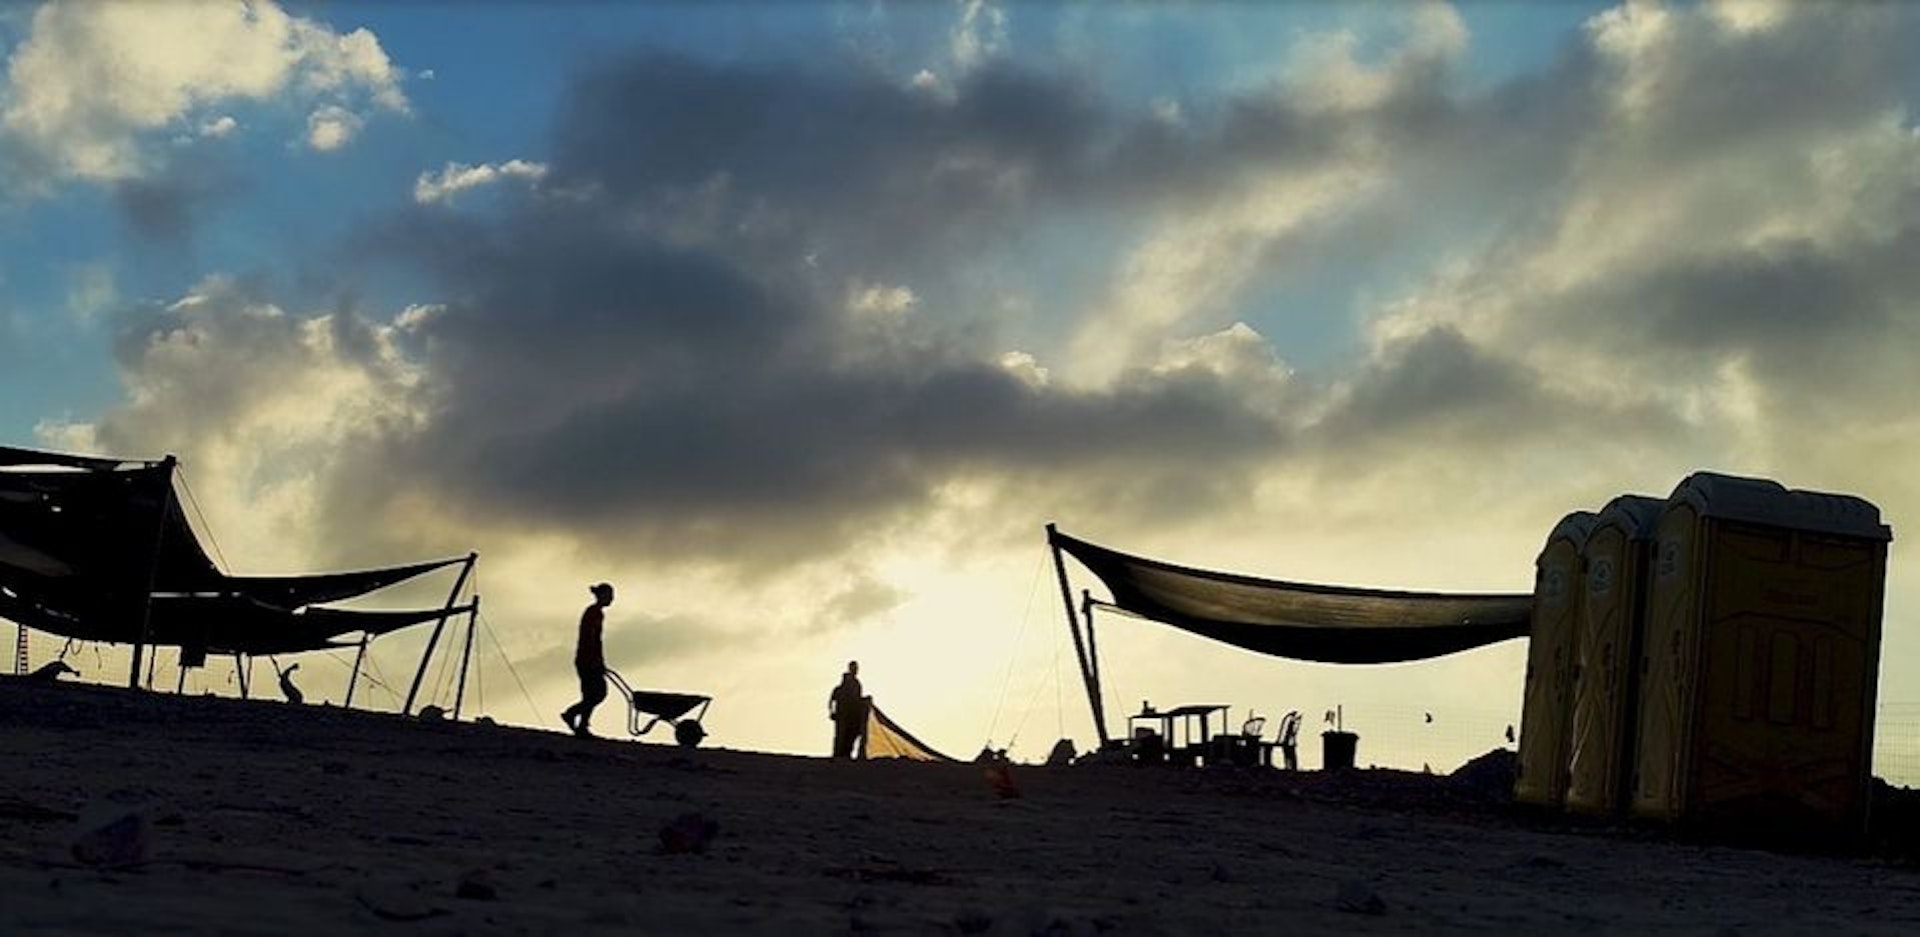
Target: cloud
{"type": "Point", "coordinates": [260, 401]}
{"type": "Point", "coordinates": [979, 35]}
{"type": "Point", "coordinates": [679, 403]}
{"type": "Point", "coordinates": [454, 178]}
{"type": "Point", "coordinates": [332, 127]}
{"type": "Point", "coordinates": [90, 81]}
{"type": "Point", "coordinates": [219, 127]}
{"type": "Point", "coordinates": [1751, 209]}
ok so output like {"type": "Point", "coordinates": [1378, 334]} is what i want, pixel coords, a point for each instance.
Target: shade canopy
{"type": "Point", "coordinates": [1303, 621]}
{"type": "Point", "coordinates": [99, 549]}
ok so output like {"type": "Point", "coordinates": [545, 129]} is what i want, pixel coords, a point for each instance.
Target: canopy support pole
{"type": "Point", "coordinates": [1093, 651]}
{"type": "Point", "coordinates": [354, 680]}
{"type": "Point", "coordinates": [1079, 646]}
{"type": "Point", "coordinates": [153, 572]}
{"type": "Point", "coordinates": [466, 658]}
{"type": "Point", "coordinates": [240, 673]}
{"type": "Point", "coordinates": [413, 692]}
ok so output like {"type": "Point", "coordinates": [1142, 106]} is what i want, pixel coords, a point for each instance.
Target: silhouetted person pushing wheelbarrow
{"type": "Point", "coordinates": [590, 662]}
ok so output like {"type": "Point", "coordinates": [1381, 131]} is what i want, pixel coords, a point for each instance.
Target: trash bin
{"type": "Point", "coordinates": [1337, 749]}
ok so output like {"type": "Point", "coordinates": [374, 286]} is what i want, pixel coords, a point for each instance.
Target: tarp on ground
{"type": "Point", "coordinates": [1303, 621]}
{"type": "Point", "coordinates": [885, 739]}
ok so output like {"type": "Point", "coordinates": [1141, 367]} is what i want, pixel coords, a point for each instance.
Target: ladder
{"type": "Point", "coordinates": [20, 649]}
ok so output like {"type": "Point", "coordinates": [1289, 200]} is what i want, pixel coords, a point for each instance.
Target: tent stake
{"type": "Point", "coordinates": [413, 691]}
{"type": "Point", "coordinates": [466, 657]}
{"type": "Point", "coordinates": [1079, 648]}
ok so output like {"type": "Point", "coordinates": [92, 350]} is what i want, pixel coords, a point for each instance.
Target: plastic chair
{"type": "Point", "coordinates": [1288, 739]}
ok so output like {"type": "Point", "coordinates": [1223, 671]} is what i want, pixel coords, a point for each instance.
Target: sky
{"type": "Point", "coordinates": [798, 321]}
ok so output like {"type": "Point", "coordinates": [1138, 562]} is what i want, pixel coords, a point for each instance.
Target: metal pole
{"type": "Point", "coordinates": [466, 658]}
{"type": "Point", "coordinates": [421, 674]}
{"type": "Point", "coordinates": [1079, 648]}
{"type": "Point", "coordinates": [240, 673]}
{"type": "Point", "coordinates": [1093, 652]}
{"type": "Point", "coordinates": [153, 572]}
{"type": "Point", "coordinates": [354, 680]}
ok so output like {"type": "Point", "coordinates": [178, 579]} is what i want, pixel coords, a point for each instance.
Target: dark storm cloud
{"type": "Point", "coordinates": [1830, 334]}
{"type": "Point", "coordinates": [883, 169]}
{"type": "Point", "coordinates": [1764, 257]}
{"type": "Point", "coordinates": [814, 137]}
{"type": "Point", "coordinates": [166, 206]}
{"type": "Point", "coordinates": [866, 162]}
{"type": "Point", "coordinates": [1829, 64]}
{"type": "Point", "coordinates": [1437, 378]}
{"type": "Point", "coordinates": [606, 382]}
{"type": "Point", "coordinates": [653, 349]}
{"type": "Point", "coordinates": [614, 362]}
{"type": "Point", "coordinates": [1441, 392]}
{"type": "Point", "coordinates": [1779, 299]}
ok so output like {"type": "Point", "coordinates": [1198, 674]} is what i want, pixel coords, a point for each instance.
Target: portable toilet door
{"type": "Point", "coordinates": [1606, 662]}
{"type": "Point", "coordinates": [1761, 660]}
{"type": "Point", "coordinates": [1545, 705]}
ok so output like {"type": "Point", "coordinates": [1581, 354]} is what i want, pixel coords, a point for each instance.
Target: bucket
{"type": "Point", "coordinates": [1337, 750]}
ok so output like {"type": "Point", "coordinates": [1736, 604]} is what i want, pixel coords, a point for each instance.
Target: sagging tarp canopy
{"type": "Point", "coordinates": [226, 625]}
{"type": "Point", "coordinates": [86, 543]}
{"type": "Point", "coordinates": [885, 739]}
{"type": "Point", "coordinates": [1303, 621]}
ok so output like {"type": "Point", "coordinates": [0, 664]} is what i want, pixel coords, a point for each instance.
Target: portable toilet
{"type": "Point", "coordinates": [1544, 707]}
{"type": "Point", "coordinates": [1606, 660]}
{"type": "Point", "coordinates": [1761, 659]}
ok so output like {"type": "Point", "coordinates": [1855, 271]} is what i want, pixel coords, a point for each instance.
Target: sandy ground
{"type": "Point", "coordinates": [267, 818]}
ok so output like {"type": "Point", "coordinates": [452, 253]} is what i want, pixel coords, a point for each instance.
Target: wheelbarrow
{"type": "Point", "coordinates": [671, 708]}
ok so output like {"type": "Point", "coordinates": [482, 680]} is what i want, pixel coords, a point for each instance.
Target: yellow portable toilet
{"type": "Point", "coordinates": [1761, 659]}
{"type": "Point", "coordinates": [1542, 778]}
{"type": "Point", "coordinates": [1607, 658]}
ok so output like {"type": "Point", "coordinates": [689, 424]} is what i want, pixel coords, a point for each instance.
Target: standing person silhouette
{"type": "Point", "coordinates": [847, 707]}
{"type": "Point", "coordinates": [590, 662]}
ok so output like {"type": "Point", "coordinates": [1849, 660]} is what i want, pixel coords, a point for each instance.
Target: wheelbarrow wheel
{"type": "Point", "coordinates": [688, 734]}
